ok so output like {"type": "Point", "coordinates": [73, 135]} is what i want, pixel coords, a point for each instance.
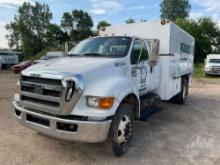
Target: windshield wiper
{"type": "Point", "coordinates": [72, 55]}
{"type": "Point", "coordinates": [95, 54]}
{"type": "Point", "coordinates": [88, 54]}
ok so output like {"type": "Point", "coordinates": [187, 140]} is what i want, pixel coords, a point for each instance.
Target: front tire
{"type": "Point", "coordinates": [122, 129]}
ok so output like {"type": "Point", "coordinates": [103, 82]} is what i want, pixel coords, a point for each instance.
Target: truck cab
{"type": "Point", "coordinates": [104, 84]}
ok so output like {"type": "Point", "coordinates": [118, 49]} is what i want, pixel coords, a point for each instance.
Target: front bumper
{"type": "Point", "coordinates": [87, 131]}
{"type": "Point", "coordinates": [212, 73]}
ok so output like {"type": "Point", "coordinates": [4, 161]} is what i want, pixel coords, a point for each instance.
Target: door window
{"type": "Point", "coordinates": [139, 52]}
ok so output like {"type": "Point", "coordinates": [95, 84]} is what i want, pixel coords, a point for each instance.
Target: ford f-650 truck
{"type": "Point", "coordinates": [106, 82]}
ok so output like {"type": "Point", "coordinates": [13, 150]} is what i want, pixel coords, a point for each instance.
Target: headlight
{"type": "Point", "coordinates": [18, 88]}
{"type": "Point", "coordinates": [70, 88]}
{"type": "Point", "coordinates": [74, 86]}
{"type": "Point", "coordinates": [207, 68]}
{"type": "Point", "coordinates": [100, 102]}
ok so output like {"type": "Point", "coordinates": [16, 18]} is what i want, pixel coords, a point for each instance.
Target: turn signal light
{"type": "Point", "coordinates": [106, 103]}
{"type": "Point", "coordinates": [18, 87]}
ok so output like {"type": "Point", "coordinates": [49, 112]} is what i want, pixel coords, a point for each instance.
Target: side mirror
{"type": "Point", "coordinates": [154, 51]}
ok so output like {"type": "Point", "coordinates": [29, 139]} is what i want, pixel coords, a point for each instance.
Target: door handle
{"type": "Point", "coordinates": [151, 69]}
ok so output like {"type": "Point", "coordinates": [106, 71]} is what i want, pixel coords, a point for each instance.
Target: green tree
{"type": "Point", "coordinates": [130, 20]}
{"type": "Point", "coordinates": [206, 33]}
{"type": "Point", "coordinates": [77, 24]}
{"type": "Point", "coordinates": [28, 28]}
{"type": "Point", "coordinates": [173, 9]}
{"type": "Point", "coordinates": [54, 36]}
{"type": "Point", "coordinates": [102, 24]}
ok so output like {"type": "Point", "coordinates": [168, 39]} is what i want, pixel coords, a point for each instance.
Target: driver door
{"type": "Point", "coordinates": [140, 70]}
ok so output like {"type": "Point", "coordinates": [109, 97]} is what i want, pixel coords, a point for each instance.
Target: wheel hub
{"type": "Point", "coordinates": [124, 130]}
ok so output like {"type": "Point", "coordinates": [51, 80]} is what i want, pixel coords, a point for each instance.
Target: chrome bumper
{"type": "Point", "coordinates": [87, 131]}
{"type": "Point", "coordinates": [212, 73]}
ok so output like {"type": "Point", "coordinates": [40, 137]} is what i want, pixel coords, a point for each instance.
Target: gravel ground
{"type": "Point", "coordinates": [188, 134]}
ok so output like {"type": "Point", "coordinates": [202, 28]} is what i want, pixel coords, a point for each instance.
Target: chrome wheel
{"type": "Point", "coordinates": [124, 130]}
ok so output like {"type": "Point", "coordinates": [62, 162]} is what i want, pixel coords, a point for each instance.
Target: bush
{"type": "Point", "coordinates": [199, 70]}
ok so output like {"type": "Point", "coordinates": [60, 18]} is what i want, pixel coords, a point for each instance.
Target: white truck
{"type": "Point", "coordinates": [106, 83]}
{"type": "Point", "coordinates": [212, 64]}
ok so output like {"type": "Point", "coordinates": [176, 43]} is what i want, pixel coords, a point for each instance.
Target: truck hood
{"type": "Point", "coordinates": [69, 65]}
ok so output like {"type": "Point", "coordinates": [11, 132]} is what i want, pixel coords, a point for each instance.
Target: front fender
{"type": "Point", "coordinates": [119, 87]}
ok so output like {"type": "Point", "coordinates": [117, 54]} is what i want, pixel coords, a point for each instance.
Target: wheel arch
{"type": "Point", "coordinates": [133, 100]}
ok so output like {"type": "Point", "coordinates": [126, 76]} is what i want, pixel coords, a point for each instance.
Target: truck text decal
{"type": "Point", "coordinates": [119, 64]}
{"type": "Point", "coordinates": [184, 51]}
{"type": "Point", "coordinates": [185, 48]}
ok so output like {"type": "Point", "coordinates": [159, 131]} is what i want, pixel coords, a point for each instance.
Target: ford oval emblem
{"type": "Point", "coordinates": [38, 90]}
{"type": "Point", "coordinates": [35, 75]}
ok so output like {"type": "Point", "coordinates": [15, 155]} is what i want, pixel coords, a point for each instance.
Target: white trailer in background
{"type": "Point", "coordinates": [106, 82]}
{"type": "Point", "coordinates": [8, 58]}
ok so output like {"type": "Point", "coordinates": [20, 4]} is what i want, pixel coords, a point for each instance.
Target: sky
{"type": "Point", "coordinates": [113, 11]}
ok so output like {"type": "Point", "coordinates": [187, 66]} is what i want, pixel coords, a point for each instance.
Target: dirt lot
{"type": "Point", "coordinates": [182, 135]}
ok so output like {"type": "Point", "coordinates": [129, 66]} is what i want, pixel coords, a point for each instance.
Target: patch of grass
{"type": "Point", "coordinates": [199, 70]}
{"type": "Point", "coordinates": [199, 75]}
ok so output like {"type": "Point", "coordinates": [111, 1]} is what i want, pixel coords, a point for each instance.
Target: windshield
{"type": "Point", "coordinates": [103, 46]}
{"type": "Point", "coordinates": [214, 61]}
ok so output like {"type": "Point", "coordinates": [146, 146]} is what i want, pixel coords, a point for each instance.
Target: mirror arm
{"type": "Point", "coordinates": [139, 58]}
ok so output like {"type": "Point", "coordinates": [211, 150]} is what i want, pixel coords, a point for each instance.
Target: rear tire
{"type": "Point", "coordinates": [121, 129]}
{"type": "Point", "coordinates": [180, 98]}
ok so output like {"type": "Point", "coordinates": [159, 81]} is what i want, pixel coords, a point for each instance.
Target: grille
{"type": "Point", "coordinates": [41, 94]}
{"type": "Point", "coordinates": [42, 80]}
{"type": "Point", "coordinates": [46, 92]}
{"type": "Point", "coordinates": [40, 101]}
{"type": "Point", "coordinates": [215, 69]}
